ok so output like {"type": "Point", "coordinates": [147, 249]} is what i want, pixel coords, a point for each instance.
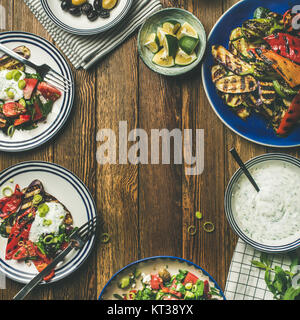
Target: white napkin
{"type": "Point", "coordinates": [245, 281]}
{"type": "Point", "coordinates": [85, 51]}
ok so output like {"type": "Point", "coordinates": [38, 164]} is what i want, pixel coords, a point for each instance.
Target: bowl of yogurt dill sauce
{"type": "Point", "coordinates": [268, 220]}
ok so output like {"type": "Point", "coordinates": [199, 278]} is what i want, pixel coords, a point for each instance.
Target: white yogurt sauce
{"type": "Point", "coordinates": [271, 216]}
{"type": "Point", "coordinates": [10, 85]}
{"type": "Point", "coordinates": [56, 215]}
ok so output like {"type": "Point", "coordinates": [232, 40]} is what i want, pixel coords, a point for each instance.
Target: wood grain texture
{"type": "Point", "coordinates": [146, 209]}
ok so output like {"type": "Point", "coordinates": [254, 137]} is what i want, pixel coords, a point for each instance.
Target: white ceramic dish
{"type": "Point", "coordinates": [68, 189]}
{"type": "Point", "coordinates": [283, 245]}
{"type": "Point", "coordinates": [42, 51]}
{"type": "Point", "coordinates": [81, 25]}
{"type": "Point", "coordinates": [151, 265]}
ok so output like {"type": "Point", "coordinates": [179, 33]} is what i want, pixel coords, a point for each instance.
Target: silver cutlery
{"type": "Point", "coordinates": [78, 239]}
{"type": "Point", "coordinates": [46, 72]}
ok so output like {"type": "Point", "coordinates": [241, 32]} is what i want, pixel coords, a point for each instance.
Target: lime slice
{"type": "Point", "coordinates": [171, 26]}
{"type": "Point", "coordinates": [188, 44]}
{"type": "Point", "coordinates": [186, 30]}
{"type": "Point", "coordinates": [183, 59]}
{"type": "Point", "coordinates": [163, 59]}
{"type": "Point", "coordinates": [170, 44]}
{"type": "Point", "coordinates": [161, 33]}
{"type": "Point", "coordinates": [152, 43]}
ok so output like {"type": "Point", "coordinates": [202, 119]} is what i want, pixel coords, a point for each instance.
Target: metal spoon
{"type": "Point", "coordinates": [244, 168]}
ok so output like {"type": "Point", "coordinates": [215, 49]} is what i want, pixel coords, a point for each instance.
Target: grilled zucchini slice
{"type": "Point", "coordinates": [236, 84]}
{"type": "Point", "coordinates": [233, 100]}
{"type": "Point", "coordinates": [218, 72]}
{"type": "Point", "coordinates": [230, 61]}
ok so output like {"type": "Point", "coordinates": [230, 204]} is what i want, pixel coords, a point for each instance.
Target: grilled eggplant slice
{"type": "Point", "coordinates": [267, 92]}
{"type": "Point", "coordinates": [233, 100]}
{"type": "Point", "coordinates": [218, 72]}
{"type": "Point", "coordinates": [6, 62]}
{"type": "Point", "coordinates": [236, 84]}
{"type": "Point", "coordinates": [230, 61]}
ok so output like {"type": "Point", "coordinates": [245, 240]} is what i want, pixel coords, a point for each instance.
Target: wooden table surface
{"type": "Point", "coordinates": [146, 208]}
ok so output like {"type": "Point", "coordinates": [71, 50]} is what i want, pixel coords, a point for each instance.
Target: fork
{"type": "Point", "coordinates": [78, 239]}
{"type": "Point", "coordinates": [46, 72]}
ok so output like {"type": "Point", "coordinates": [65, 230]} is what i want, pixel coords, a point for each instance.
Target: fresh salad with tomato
{"type": "Point", "coordinates": [259, 72]}
{"type": "Point", "coordinates": [25, 98]}
{"type": "Point", "coordinates": [183, 285]}
{"type": "Point", "coordinates": [37, 226]}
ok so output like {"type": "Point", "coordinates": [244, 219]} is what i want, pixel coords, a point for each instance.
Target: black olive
{"type": "Point", "coordinates": [104, 13]}
{"type": "Point", "coordinates": [98, 5]}
{"type": "Point", "coordinates": [75, 11]}
{"type": "Point", "coordinates": [66, 5]}
{"type": "Point", "coordinates": [93, 15]}
{"type": "Point", "coordinates": [86, 8]}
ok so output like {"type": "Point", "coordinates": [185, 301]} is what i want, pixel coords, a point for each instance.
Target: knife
{"type": "Point", "coordinates": [38, 278]}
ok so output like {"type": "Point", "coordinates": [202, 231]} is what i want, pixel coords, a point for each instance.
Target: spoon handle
{"type": "Point", "coordinates": [244, 168]}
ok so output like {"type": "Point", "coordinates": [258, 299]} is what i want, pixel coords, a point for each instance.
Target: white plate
{"type": "Point", "coordinates": [69, 190]}
{"type": "Point", "coordinates": [81, 25]}
{"type": "Point", "coordinates": [42, 51]}
{"type": "Point", "coordinates": [151, 265]}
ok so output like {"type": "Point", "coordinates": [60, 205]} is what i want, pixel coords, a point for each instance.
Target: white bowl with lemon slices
{"type": "Point", "coordinates": [172, 41]}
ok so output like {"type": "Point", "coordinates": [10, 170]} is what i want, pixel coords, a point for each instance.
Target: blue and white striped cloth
{"type": "Point", "coordinates": [85, 51]}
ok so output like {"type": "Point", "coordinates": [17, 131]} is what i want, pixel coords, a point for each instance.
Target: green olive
{"type": "Point", "coordinates": [22, 84]}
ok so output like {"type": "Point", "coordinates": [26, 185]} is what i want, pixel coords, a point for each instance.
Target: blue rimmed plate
{"type": "Point", "coordinates": [68, 189]}
{"type": "Point", "coordinates": [285, 245]}
{"type": "Point", "coordinates": [81, 25]}
{"type": "Point", "coordinates": [42, 51]}
{"type": "Point", "coordinates": [153, 264]}
{"type": "Point", "coordinates": [255, 128]}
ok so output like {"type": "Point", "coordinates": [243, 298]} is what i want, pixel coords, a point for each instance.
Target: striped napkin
{"type": "Point", "coordinates": [245, 281]}
{"type": "Point", "coordinates": [85, 51]}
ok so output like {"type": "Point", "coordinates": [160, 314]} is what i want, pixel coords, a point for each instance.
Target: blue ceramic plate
{"type": "Point", "coordinates": [153, 264]}
{"type": "Point", "coordinates": [255, 127]}
{"type": "Point", "coordinates": [285, 246]}
{"type": "Point", "coordinates": [67, 188]}
{"type": "Point", "coordinates": [81, 25]}
{"type": "Point", "coordinates": [42, 51]}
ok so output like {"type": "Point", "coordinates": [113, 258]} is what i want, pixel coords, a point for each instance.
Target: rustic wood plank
{"type": "Point", "coordinates": [117, 185]}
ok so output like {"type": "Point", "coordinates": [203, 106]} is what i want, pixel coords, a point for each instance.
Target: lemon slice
{"type": "Point", "coordinates": [161, 33]}
{"type": "Point", "coordinates": [183, 59]}
{"type": "Point", "coordinates": [186, 30]}
{"type": "Point", "coordinates": [163, 59]}
{"type": "Point", "coordinates": [171, 26]}
{"type": "Point", "coordinates": [188, 44]}
{"type": "Point", "coordinates": [170, 44]}
{"type": "Point", "coordinates": [152, 43]}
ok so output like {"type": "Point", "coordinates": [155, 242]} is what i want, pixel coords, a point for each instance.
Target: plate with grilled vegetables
{"type": "Point", "coordinates": [32, 111]}
{"type": "Point", "coordinates": [251, 73]}
{"type": "Point", "coordinates": [41, 204]}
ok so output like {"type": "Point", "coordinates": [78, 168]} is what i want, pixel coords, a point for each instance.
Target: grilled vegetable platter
{"type": "Point", "coordinates": [37, 225]}
{"type": "Point", "coordinates": [259, 71]}
{"type": "Point", "coordinates": [25, 98]}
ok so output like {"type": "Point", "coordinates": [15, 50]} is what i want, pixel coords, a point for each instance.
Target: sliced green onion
{"type": "Point", "coordinates": [11, 131]}
{"type": "Point", "coordinates": [208, 226]}
{"type": "Point", "coordinates": [48, 239]}
{"type": "Point", "coordinates": [192, 230]}
{"type": "Point", "coordinates": [9, 193]}
{"type": "Point", "coordinates": [37, 199]}
{"type": "Point", "coordinates": [198, 215]}
{"type": "Point", "coordinates": [105, 237]}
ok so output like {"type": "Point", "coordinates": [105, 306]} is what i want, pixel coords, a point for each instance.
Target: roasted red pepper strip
{"type": "Point", "coordinates": [19, 232]}
{"type": "Point", "coordinates": [155, 282]}
{"type": "Point", "coordinates": [286, 45]}
{"type": "Point", "coordinates": [42, 263]}
{"type": "Point", "coordinates": [291, 117]}
{"type": "Point", "coordinates": [10, 205]}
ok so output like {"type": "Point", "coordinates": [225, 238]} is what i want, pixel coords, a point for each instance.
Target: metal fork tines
{"type": "Point", "coordinates": [45, 71]}
{"type": "Point", "coordinates": [81, 235]}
